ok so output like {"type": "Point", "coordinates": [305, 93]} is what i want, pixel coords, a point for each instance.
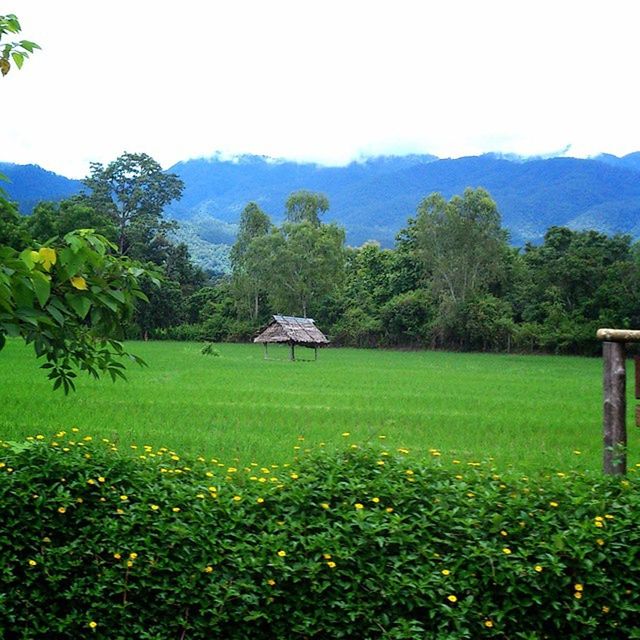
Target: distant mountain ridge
{"type": "Point", "coordinates": [29, 184]}
{"type": "Point", "coordinates": [373, 198]}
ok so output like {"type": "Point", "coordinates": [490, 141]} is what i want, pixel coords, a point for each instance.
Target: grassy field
{"type": "Point", "coordinates": [526, 411]}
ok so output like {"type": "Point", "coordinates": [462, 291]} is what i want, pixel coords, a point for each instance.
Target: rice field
{"type": "Point", "coordinates": [531, 412]}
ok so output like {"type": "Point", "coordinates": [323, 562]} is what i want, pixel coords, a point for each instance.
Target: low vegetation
{"type": "Point", "coordinates": [359, 543]}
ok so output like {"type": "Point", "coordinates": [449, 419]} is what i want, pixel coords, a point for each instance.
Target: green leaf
{"type": "Point", "coordinates": [79, 303]}
{"type": "Point", "coordinates": [29, 46]}
{"type": "Point", "coordinates": [41, 286]}
{"type": "Point", "coordinates": [18, 58]}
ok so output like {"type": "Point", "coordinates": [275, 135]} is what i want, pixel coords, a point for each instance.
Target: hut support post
{"type": "Point", "coordinates": [293, 351]}
{"type": "Point", "coordinates": [615, 428]}
{"type": "Point", "coordinates": [266, 351]}
{"type": "Point", "coordinates": [315, 353]}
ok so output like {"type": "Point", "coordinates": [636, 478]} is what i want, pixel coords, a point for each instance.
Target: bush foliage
{"type": "Point", "coordinates": [359, 543]}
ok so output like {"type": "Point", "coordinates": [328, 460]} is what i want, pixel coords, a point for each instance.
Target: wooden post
{"type": "Point", "coordinates": [266, 351]}
{"type": "Point", "coordinates": [315, 353]}
{"type": "Point", "coordinates": [293, 352]}
{"type": "Point", "coordinates": [615, 428]}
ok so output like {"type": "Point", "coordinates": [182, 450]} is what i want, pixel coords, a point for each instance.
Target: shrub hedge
{"type": "Point", "coordinates": [361, 543]}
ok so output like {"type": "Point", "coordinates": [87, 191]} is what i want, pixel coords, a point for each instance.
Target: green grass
{"type": "Point", "coordinates": [529, 411]}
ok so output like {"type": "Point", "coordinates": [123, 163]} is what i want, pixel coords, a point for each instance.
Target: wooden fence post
{"type": "Point", "coordinates": [615, 407]}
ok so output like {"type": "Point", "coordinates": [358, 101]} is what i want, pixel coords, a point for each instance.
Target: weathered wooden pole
{"type": "Point", "coordinates": [293, 351]}
{"type": "Point", "coordinates": [615, 408]}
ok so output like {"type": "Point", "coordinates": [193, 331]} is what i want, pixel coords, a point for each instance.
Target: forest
{"type": "Point", "coordinates": [451, 281]}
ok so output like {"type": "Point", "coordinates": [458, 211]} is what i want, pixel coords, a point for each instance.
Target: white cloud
{"type": "Point", "coordinates": [321, 81]}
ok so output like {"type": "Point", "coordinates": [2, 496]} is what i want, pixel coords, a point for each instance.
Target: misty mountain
{"type": "Point", "coordinates": [373, 198]}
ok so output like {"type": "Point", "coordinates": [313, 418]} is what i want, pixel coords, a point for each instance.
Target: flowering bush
{"type": "Point", "coordinates": [363, 543]}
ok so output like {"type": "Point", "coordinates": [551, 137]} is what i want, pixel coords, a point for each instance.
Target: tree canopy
{"type": "Point", "coordinates": [133, 191]}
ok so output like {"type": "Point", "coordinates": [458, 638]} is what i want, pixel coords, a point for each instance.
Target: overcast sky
{"type": "Point", "coordinates": [326, 81]}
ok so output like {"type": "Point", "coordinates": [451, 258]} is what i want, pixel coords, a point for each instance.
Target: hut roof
{"type": "Point", "coordinates": [291, 330]}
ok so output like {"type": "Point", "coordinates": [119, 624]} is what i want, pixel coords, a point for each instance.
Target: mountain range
{"type": "Point", "coordinates": [374, 197]}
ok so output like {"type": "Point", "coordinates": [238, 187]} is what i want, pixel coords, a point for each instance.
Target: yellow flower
{"type": "Point", "coordinates": [271, 582]}
{"type": "Point", "coordinates": [357, 505]}
{"type": "Point", "coordinates": [175, 509]}
{"type": "Point", "coordinates": [282, 554]}
{"type": "Point", "coordinates": [346, 434]}
{"type": "Point", "coordinates": [577, 595]}
{"type": "Point", "coordinates": [578, 587]}
{"type": "Point", "coordinates": [124, 498]}
{"type": "Point", "coordinates": [504, 533]}
{"type": "Point", "coordinates": [446, 572]}
{"type": "Point", "coordinates": [488, 624]}
{"type": "Point", "coordinates": [47, 256]}
{"type": "Point", "coordinates": [61, 510]}
{"type": "Point", "coordinates": [133, 555]}
{"type": "Point", "coordinates": [452, 598]}
{"type": "Point", "coordinates": [117, 556]}
{"type": "Point", "coordinates": [326, 556]}
{"type": "Point", "coordinates": [93, 624]}
{"type": "Point", "coordinates": [598, 524]}
{"type": "Point", "coordinates": [376, 500]}
{"type": "Point", "coordinates": [324, 505]}
{"type": "Point", "coordinates": [331, 564]}
{"type": "Point", "coordinates": [506, 550]}
{"type": "Point", "coordinates": [101, 479]}
{"type": "Point", "coordinates": [32, 563]}
{"type": "Point", "coordinates": [237, 498]}
{"type": "Point", "coordinates": [605, 609]}
{"type": "Point", "coordinates": [538, 568]}
{"type": "Point", "coordinates": [154, 507]}
{"type": "Point", "coordinates": [78, 282]}
{"type": "Point", "coordinates": [129, 564]}
{"type": "Point", "coordinates": [91, 481]}
{"type": "Point", "coordinates": [294, 476]}
{"type": "Point", "coordinates": [389, 509]}
{"type": "Point", "coordinates": [553, 504]}
{"type": "Point", "coordinates": [208, 569]}
{"type": "Point", "coordinates": [600, 541]}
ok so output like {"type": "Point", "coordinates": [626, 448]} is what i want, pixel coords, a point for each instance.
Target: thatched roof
{"type": "Point", "coordinates": [291, 330]}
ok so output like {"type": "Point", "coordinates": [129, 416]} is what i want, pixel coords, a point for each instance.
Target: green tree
{"type": "Point", "coordinates": [12, 229]}
{"type": "Point", "coordinates": [307, 206]}
{"type": "Point", "coordinates": [51, 219]}
{"type": "Point", "coordinates": [461, 243]}
{"type": "Point", "coordinates": [133, 191]}
{"type": "Point", "coordinates": [248, 282]}
{"type": "Point", "coordinates": [305, 263]}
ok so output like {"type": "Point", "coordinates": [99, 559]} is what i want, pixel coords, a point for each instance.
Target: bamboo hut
{"type": "Point", "coordinates": [292, 331]}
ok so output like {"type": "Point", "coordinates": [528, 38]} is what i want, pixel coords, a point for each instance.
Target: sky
{"type": "Point", "coordinates": [325, 81]}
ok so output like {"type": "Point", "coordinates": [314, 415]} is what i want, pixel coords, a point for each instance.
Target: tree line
{"type": "Point", "coordinates": [452, 280]}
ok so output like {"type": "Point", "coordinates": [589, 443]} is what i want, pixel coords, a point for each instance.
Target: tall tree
{"type": "Point", "coordinates": [133, 190]}
{"type": "Point", "coordinates": [307, 206]}
{"type": "Point", "coordinates": [461, 243]}
{"type": "Point", "coordinates": [306, 262]}
{"type": "Point", "coordinates": [247, 254]}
